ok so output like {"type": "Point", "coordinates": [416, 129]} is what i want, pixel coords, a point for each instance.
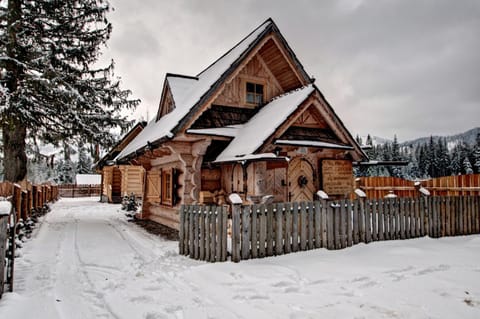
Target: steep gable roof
{"type": "Point", "coordinates": [190, 93]}
{"type": "Point", "coordinates": [121, 144]}
{"type": "Point", "coordinates": [255, 132]}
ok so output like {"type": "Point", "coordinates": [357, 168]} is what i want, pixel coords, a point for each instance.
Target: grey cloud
{"type": "Point", "coordinates": [407, 67]}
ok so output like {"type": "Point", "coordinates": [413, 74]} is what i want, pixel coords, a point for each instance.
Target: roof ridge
{"type": "Point", "coordinates": [269, 20]}
{"type": "Point", "coordinates": [176, 75]}
{"type": "Point", "coordinates": [289, 92]}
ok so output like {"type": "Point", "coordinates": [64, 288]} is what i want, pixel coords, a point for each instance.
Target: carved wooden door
{"type": "Point", "coordinates": [301, 184]}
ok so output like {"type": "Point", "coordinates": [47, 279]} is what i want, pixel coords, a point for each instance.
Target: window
{"type": "Point", "coordinates": [167, 187]}
{"type": "Point", "coordinates": [254, 93]}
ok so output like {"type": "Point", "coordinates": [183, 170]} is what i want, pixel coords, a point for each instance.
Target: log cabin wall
{"type": "Point", "coordinates": [132, 180]}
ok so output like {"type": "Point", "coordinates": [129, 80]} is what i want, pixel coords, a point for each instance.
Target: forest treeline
{"type": "Point", "coordinates": [432, 158]}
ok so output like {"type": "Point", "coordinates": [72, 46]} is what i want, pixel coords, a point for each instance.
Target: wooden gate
{"type": "Point", "coordinates": [301, 182]}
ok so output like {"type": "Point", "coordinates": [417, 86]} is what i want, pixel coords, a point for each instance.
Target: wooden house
{"type": "Point", "coordinates": [120, 179]}
{"type": "Point", "coordinates": [253, 123]}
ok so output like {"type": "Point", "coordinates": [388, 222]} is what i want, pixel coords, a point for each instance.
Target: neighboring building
{"type": "Point", "coordinates": [88, 179]}
{"type": "Point", "coordinates": [253, 123]}
{"type": "Point", "coordinates": [118, 180]}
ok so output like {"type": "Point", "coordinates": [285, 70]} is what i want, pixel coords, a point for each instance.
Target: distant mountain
{"type": "Point", "coordinates": [469, 137]}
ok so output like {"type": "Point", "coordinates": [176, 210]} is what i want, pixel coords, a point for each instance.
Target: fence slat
{"type": "Point", "coordinates": [208, 233]}
{"type": "Point", "coordinates": [381, 235]}
{"type": "Point", "coordinates": [270, 217]}
{"type": "Point", "coordinates": [254, 232]}
{"type": "Point", "coordinates": [330, 227]}
{"type": "Point", "coordinates": [317, 222]}
{"type": "Point", "coordinates": [303, 225]}
{"type": "Point", "coordinates": [295, 227]}
{"type": "Point", "coordinates": [246, 233]}
{"type": "Point", "coordinates": [181, 231]}
{"type": "Point", "coordinates": [263, 231]}
{"type": "Point", "coordinates": [348, 203]}
{"type": "Point", "coordinates": [201, 222]}
{"type": "Point", "coordinates": [356, 228]}
{"type": "Point", "coordinates": [279, 230]}
{"type": "Point", "coordinates": [310, 227]}
{"type": "Point", "coordinates": [288, 228]}
{"type": "Point", "coordinates": [374, 220]}
{"type": "Point", "coordinates": [368, 221]}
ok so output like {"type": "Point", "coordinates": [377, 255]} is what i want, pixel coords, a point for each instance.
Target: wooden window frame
{"type": "Point", "coordinates": [167, 187]}
{"type": "Point", "coordinates": [255, 83]}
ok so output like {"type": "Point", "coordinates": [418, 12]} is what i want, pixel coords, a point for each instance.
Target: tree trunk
{"type": "Point", "coordinates": [15, 158]}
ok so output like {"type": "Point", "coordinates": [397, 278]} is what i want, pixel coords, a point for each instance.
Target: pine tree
{"type": "Point", "coordinates": [84, 164]}
{"type": "Point", "coordinates": [48, 87]}
{"type": "Point", "coordinates": [467, 166]}
{"type": "Point", "coordinates": [476, 154]}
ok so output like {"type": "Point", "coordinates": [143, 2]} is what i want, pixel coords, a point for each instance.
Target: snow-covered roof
{"type": "Point", "coordinates": [251, 157]}
{"type": "Point", "coordinates": [227, 131]}
{"type": "Point", "coordinates": [314, 144]}
{"type": "Point", "coordinates": [263, 124]}
{"type": "Point", "coordinates": [88, 179]}
{"type": "Point", "coordinates": [188, 91]}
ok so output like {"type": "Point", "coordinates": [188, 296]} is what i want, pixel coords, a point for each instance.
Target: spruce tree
{"type": "Point", "coordinates": [476, 154]}
{"type": "Point", "coordinates": [84, 164]}
{"type": "Point", "coordinates": [48, 85]}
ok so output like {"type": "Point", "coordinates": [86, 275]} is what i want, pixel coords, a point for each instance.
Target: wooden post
{"type": "Point", "coordinates": [380, 220]}
{"type": "Point", "coordinates": [295, 227]}
{"type": "Point", "coordinates": [219, 223]}
{"type": "Point", "coordinates": [317, 225]}
{"type": "Point", "coordinates": [288, 229]}
{"type": "Point", "coordinates": [236, 212]}
{"type": "Point", "coordinates": [270, 213]}
{"type": "Point", "coordinates": [311, 225]}
{"type": "Point", "coordinates": [303, 225]}
{"type": "Point", "coordinates": [224, 212]}
{"type": "Point", "coordinates": [262, 239]}
{"type": "Point", "coordinates": [181, 231]}
{"type": "Point", "coordinates": [254, 232]}
{"type": "Point", "coordinates": [323, 228]}
{"type": "Point", "coordinates": [3, 240]}
{"type": "Point", "coordinates": [246, 236]}
{"type": "Point", "coordinates": [362, 220]}
{"type": "Point", "coordinates": [279, 230]}
{"type": "Point", "coordinates": [201, 224]}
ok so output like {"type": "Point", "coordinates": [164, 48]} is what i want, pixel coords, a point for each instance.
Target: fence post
{"type": "Point", "coordinates": [181, 231]}
{"type": "Point", "coordinates": [236, 211]}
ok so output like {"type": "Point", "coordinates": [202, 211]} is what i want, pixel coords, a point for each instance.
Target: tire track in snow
{"type": "Point", "coordinates": [97, 297]}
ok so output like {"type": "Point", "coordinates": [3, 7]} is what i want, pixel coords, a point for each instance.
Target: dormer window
{"type": "Point", "coordinates": [254, 93]}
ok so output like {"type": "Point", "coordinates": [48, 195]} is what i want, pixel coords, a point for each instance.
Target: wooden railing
{"type": "Point", "coordinates": [74, 190]}
{"type": "Point", "coordinates": [27, 201]}
{"type": "Point", "coordinates": [270, 230]}
{"type": "Point", "coordinates": [460, 185]}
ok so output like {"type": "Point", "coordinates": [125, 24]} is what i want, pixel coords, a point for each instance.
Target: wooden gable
{"type": "Point", "coordinates": [255, 71]}
{"type": "Point", "coordinates": [309, 123]}
{"type": "Point", "coordinates": [166, 101]}
{"type": "Point", "coordinates": [269, 63]}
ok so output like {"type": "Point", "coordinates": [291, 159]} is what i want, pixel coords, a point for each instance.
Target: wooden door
{"type": "Point", "coordinates": [276, 181]}
{"type": "Point", "coordinates": [301, 182]}
{"type": "Point", "coordinates": [117, 182]}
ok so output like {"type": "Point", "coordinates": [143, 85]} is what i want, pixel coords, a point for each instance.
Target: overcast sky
{"type": "Point", "coordinates": [410, 68]}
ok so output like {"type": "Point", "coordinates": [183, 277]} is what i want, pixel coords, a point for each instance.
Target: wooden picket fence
{"type": "Point", "coordinates": [271, 230]}
{"type": "Point", "coordinates": [27, 200]}
{"type": "Point", "coordinates": [380, 186]}
{"type": "Point", "coordinates": [203, 232]}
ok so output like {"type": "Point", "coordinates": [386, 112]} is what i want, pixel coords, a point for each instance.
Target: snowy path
{"type": "Point", "coordinates": [86, 261]}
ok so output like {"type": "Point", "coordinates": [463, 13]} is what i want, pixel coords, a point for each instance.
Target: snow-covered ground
{"type": "Point", "coordinates": [86, 261]}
